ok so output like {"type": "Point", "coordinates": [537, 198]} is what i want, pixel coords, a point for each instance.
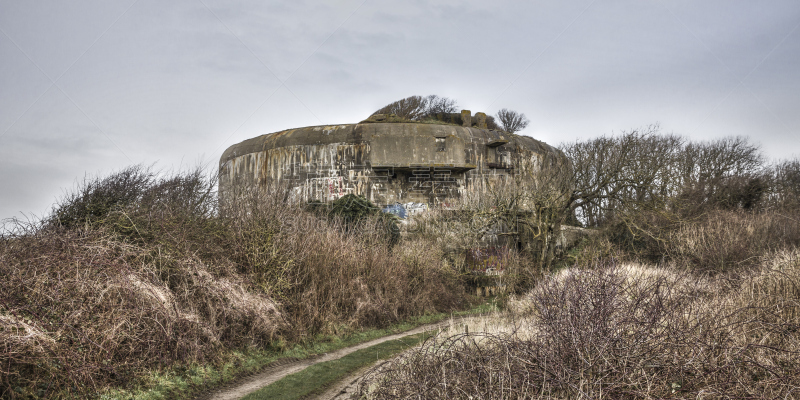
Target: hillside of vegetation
{"type": "Point", "coordinates": [686, 283]}
{"type": "Point", "coordinates": [620, 331]}
{"type": "Point", "coordinates": [138, 271]}
{"type": "Point", "coordinates": [687, 287]}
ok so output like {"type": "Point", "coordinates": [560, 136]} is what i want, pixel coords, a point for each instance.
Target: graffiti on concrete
{"type": "Point", "coordinates": [406, 210]}
{"type": "Point", "coordinates": [396, 209]}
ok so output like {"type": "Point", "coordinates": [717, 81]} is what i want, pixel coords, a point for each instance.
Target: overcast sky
{"type": "Point", "coordinates": [89, 87]}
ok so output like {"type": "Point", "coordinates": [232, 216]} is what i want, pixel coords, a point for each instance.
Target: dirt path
{"type": "Point", "coordinates": [344, 389]}
{"type": "Point", "coordinates": [275, 373]}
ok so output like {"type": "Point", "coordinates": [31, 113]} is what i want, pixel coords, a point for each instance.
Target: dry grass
{"type": "Point", "coordinates": [331, 277]}
{"type": "Point", "coordinates": [621, 331]}
{"type": "Point", "coordinates": [725, 240]}
{"type": "Point", "coordinates": [152, 275]}
{"type": "Point", "coordinates": [81, 309]}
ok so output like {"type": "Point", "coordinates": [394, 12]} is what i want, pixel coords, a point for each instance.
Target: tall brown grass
{"type": "Point", "coordinates": [139, 271]}
{"type": "Point", "coordinates": [82, 309]}
{"type": "Point", "coordinates": [727, 240]}
{"type": "Point", "coordinates": [717, 240]}
{"type": "Point", "coordinates": [329, 275]}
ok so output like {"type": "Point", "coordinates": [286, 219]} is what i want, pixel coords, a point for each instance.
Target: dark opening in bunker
{"type": "Point", "coordinates": [440, 144]}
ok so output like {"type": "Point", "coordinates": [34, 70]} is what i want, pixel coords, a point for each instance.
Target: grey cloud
{"type": "Point", "coordinates": [170, 83]}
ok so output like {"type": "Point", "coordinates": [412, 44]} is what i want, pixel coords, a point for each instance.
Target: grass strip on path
{"type": "Point", "coordinates": [320, 376]}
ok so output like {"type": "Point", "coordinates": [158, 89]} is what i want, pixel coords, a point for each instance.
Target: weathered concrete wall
{"type": "Point", "coordinates": [385, 162]}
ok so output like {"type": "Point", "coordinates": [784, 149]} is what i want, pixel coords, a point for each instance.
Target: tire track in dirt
{"type": "Point", "coordinates": [345, 388]}
{"type": "Point", "coordinates": [276, 372]}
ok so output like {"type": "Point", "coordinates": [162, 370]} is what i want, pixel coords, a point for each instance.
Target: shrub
{"type": "Point", "coordinates": [353, 212]}
{"type": "Point", "coordinates": [82, 309]}
{"type": "Point", "coordinates": [621, 331]}
{"type": "Point", "coordinates": [725, 240]}
{"type": "Point", "coordinates": [94, 199]}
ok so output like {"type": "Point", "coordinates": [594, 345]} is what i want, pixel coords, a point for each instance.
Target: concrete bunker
{"type": "Point", "coordinates": [385, 159]}
{"type": "Point", "coordinates": [404, 167]}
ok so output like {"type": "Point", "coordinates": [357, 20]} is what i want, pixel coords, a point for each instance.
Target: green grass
{"type": "Point", "coordinates": [319, 377]}
{"type": "Point", "coordinates": [187, 381]}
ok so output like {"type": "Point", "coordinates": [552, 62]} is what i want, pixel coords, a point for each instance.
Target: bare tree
{"type": "Point", "coordinates": [409, 108]}
{"type": "Point", "coordinates": [721, 173]}
{"type": "Point", "coordinates": [524, 210]}
{"type": "Point", "coordinates": [786, 185]}
{"type": "Point", "coordinates": [512, 121]}
{"type": "Point", "coordinates": [634, 169]}
{"type": "Point", "coordinates": [437, 105]}
{"type": "Point", "coordinates": [416, 108]}
{"type": "Point", "coordinates": [642, 185]}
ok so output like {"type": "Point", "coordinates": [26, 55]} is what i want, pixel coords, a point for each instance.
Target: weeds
{"type": "Point", "coordinates": [730, 240]}
{"type": "Point", "coordinates": [140, 271]}
{"type": "Point", "coordinates": [621, 331]}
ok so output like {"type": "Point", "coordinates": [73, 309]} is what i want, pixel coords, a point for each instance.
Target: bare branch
{"type": "Point", "coordinates": [512, 121]}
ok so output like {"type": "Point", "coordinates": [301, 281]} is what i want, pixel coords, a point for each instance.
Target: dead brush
{"type": "Point", "coordinates": [727, 240]}
{"type": "Point", "coordinates": [149, 273]}
{"type": "Point", "coordinates": [354, 280]}
{"type": "Point", "coordinates": [82, 310]}
{"type": "Point", "coordinates": [620, 332]}
{"type": "Point", "coordinates": [331, 277]}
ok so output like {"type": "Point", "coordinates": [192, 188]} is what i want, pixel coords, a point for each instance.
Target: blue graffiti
{"type": "Point", "coordinates": [396, 209]}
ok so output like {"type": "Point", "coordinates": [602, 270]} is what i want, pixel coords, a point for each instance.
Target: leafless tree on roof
{"type": "Point", "coordinates": [416, 108]}
{"type": "Point", "coordinates": [512, 121]}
